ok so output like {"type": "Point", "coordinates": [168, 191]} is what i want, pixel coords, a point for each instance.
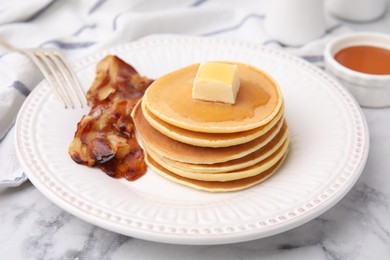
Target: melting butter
{"type": "Point", "coordinates": [216, 82]}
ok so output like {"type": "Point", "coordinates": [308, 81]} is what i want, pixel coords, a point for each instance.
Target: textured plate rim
{"type": "Point", "coordinates": [146, 230]}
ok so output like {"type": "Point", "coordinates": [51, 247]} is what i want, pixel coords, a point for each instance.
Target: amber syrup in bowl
{"type": "Point", "coordinates": [361, 63]}
{"type": "Point", "coordinates": [365, 59]}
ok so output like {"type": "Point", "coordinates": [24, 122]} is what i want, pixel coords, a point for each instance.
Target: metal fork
{"type": "Point", "coordinates": [57, 72]}
{"type": "Point", "coordinates": [59, 75]}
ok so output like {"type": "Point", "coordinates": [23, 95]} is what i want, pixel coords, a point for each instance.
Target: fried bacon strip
{"type": "Point", "coordinates": [105, 137]}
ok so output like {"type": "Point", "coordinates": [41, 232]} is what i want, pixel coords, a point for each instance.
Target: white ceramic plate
{"type": "Point", "coordinates": [329, 147]}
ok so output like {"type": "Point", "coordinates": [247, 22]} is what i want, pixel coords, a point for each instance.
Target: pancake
{"type": "Point", "coordinates": [280, 139]}
{"type": "Point", "coordinates": [207, 139]}
{"type": "Point", "coordinates": [214, 186]}
{"type": "Point", "coordinates": [225, 176]}
{"type": "Point", "coordinates": [169, 98]}
{"type": "Point", "coordinates": [182, 152]}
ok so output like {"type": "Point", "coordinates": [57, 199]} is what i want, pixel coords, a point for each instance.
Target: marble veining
{"type": "Point", "coordinates": [32, 227]}
{"type": "Point", "coordinates": [358, 227]}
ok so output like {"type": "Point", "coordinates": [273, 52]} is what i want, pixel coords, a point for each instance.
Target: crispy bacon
{"type": "Point", "coordinates": [105, 137]}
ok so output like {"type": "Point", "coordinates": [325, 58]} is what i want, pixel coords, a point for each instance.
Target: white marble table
{"type": "Point", "coordinates": [358, 227]}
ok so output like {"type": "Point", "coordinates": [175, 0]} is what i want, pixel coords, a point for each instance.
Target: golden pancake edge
{"type": "Point", "coordinates": [183, 152]}
{"type": "Point", "coordinates": [281, 139]}
{"type": "Point", "coordinates": [258, 101]}
{"type": "Point", "coordinates": [252, 170]}
{"type": "Point", "coordinates": [213, 146]}
{"type": "Point", "coordinates": [207, 139]}
{"type": "Point", "coordinates": [215, 186]}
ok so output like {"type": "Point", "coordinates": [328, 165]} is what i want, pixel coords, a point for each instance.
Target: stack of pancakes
{"type": "Point", "coordinates": [208, 145]}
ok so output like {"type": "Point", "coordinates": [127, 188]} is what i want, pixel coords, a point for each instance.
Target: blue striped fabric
{"type": "Point", "coordinates": [19, 86]}
{"type": "Point", "coordinates": [96, 6]}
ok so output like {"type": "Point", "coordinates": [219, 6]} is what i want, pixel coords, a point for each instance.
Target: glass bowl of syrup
{"type": "Point", "coordinates": [361, 62]}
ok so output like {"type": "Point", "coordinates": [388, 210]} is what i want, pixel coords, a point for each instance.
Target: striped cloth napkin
{"type": "Point", "coordinates": [79, 28]}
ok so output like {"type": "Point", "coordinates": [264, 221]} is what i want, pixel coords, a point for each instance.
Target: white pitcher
{"type": "Point", "coordinates": [295, 22]}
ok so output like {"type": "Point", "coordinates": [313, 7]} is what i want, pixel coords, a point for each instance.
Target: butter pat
{"type": "Point", "coordinates": [216, 82]}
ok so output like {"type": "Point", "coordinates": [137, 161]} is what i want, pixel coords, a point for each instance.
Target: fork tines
{"type": "Point", "coordinates": [59, 75]}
